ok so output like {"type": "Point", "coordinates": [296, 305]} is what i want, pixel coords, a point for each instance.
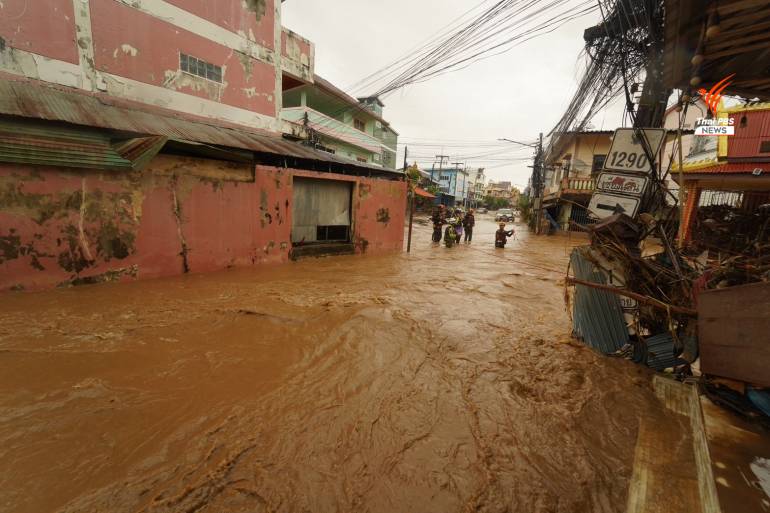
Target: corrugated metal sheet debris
{"type": "Point", "coordinates": [597, 317]}
{"type": "Point", "coordinates": [44, 102]}
{"type": "Point", "coordinates": [660, 352]}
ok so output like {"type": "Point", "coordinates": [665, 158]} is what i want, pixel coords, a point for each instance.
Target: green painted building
{"type": "Point", "coordinates": [340, 124]}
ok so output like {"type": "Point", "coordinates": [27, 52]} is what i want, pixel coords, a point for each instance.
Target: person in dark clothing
{"type": "Point", "coordinates": [501, 236]}
{"type": "Point", "coordinates": [439, 219]}
{"type": "Point", "coordinates": [469, 221]}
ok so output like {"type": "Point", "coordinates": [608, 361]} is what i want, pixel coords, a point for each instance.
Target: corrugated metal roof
{"type": "Point", "coordinates": [749, 135]}
{"type": "Point", "coordinates": [32, 100]}
{"type": "Point", "coordinates": [597, 317]}
{"type": "Point", "coordinates": [731, 168]}
{"type": "Point", "coordinates": [140, 150]}
{"type": "Point", "coordinates": [40, 144]}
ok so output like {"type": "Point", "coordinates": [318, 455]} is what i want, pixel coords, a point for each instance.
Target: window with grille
{"type": "Point", "coordinates": [598, 163]}
{"type": "Point", "coordinates": [200, 68]}
{"type": "Point", "coordinates": [359, 125]}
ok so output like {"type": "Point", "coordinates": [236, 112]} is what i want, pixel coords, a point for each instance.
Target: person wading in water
{"type": "Point", "coordinates": [501, 236]}
{"type": "Point", "coordinates": [438, 218]}
{"type": "Point", "coordinates": [469, 221]}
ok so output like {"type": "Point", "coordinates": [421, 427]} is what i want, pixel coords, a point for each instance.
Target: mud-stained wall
{"type": "Point", "coordinates": [378, 210]}
{"type": "Point", "coordinates": [71, 227]}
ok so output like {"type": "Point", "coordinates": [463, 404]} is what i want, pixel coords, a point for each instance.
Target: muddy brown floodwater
{"type": "Point", "coordinates": [439, 381]}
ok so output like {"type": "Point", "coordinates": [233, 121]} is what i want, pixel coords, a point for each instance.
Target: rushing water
{"type": "Point", "coordinates": [441, 380]}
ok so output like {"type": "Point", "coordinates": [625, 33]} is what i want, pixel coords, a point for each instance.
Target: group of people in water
{"type": "Point", "coordinates": [459, 226]}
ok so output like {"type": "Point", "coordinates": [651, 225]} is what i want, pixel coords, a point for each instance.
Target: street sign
{"type": "Point", "coordinates": [627, 152]}
{"type": "Point", "coordinates": [604, 204]}
{"type": "Point", "coordinates": [622, 183]}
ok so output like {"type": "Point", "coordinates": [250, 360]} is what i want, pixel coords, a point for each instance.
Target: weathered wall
{"type": "Point", "coordinates": [151, 56]}
{"type": "Point", "coordinates": [378, 211]}
{"type": "Point", "coordinates": [298, 56]}
{"type": "Point", "coordinates": [130, 49]}
{"type": "Point", "coordinates": [60, 227]}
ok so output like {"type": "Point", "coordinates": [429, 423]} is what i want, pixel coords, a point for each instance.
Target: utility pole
{"type": "Point", "coordinates": [410, 192]}
{"type": "Point", "coordinates": [538, 173]}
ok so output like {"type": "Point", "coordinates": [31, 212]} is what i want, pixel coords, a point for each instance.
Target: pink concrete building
{"type": "Point", "coordinates": [143, 138]}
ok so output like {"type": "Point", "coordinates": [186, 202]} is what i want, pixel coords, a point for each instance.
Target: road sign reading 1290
{"type": "Point", "coordinates": [627, 151]}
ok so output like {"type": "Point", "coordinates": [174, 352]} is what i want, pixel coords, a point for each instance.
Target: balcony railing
{"type": "Point", "coordinates": [333, 128]}
{"type": "Point", "coordinates": [577, 183]}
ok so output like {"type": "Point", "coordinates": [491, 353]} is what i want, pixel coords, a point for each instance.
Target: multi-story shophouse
{"type": "Point", "coordinates": [571, 166]}
{"type": "Point", "coordinates": [731, 172]}
{"type": "Point", "coordinates": [498, 190]}
{"type": "Point", "coordinates": [453, 183]}
{"type": "Point", "coordinates": [479, 184]}
{"type": "Point", "coordinates": [340, 124]}
{"type": "Point", "coordinates": [142, 139]}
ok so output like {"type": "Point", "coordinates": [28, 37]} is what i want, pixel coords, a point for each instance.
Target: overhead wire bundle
{"type": "Point", "coordinates": [617, 53]}
{"type": "Point", "coordinates": [496, 30]}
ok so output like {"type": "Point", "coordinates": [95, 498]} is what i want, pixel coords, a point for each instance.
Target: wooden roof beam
{"type": "Point", "coordinates": [728, 8]}
{"type": "Point", "coordinates": [736, 51]}
{"type": "Point", "coordinates": [730, 42]}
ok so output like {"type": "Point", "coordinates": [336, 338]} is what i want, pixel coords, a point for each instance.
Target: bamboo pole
{"type": "Point", "coordinates": [633, 295]}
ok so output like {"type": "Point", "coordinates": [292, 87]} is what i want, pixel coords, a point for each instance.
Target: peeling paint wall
{"type": "Point", "coordinates": [251, 18]}
{"type": "Point", "coordinates": [298, 56]}
{"type": "Point", "coordinates": [70, 227]}
{"type": "Point", "coordinates": [130, 49]}
{"type": "Point", "coordinates": [151, 56]}
{"type": "Point", "coordinates": [44, 28]}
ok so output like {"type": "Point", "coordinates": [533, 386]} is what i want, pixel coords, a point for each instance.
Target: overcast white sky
{"type": "Point", "coordinates": [515, 95]}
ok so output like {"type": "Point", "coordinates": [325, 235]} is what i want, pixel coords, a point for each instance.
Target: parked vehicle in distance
{"type": "Point", "coordinates": [481, 210]}
{"type": "Point", "coordinates": [504, 214]}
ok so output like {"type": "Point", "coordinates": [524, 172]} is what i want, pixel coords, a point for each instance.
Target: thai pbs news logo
{"type": "Point", "coordinates": [715, 125]}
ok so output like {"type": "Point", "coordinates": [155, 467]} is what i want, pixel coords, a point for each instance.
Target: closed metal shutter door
{"type": "Point", "coordinates": [320, 210]}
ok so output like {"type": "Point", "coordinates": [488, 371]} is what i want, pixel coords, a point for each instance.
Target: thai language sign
{"type": "Point", "coordinates": [622, 183]}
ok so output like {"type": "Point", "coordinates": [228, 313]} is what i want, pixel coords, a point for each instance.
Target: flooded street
{"type": "Point", "coordinates": [438, 381]}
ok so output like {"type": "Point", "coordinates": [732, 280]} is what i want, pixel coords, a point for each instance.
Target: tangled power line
{"type": "Point", "coordinates": [478, 34]}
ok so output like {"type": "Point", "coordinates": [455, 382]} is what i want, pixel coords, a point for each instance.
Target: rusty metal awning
{"type": "Point", "coordinates": [423, 193]}
{"type": "Point", "coordinates": [37, 101]}
{"type": "Point", "coordinates": [42, 143]}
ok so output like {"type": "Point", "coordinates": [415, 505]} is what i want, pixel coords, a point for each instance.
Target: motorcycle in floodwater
{"type": "Point", "coordinates": [450, 233]}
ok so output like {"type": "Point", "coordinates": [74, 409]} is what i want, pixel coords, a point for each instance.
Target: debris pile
{"type": "Point", "coordinates": [639, 296]}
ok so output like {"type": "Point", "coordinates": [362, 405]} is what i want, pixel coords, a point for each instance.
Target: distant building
{"type": "Point", "coordinates": [670, 153]}
{"type": "Point", "coordinates": [731, 171]}
{"type": "Point", "coordinates": [340, 124]}
{"type": "Point", "coordinates": [479, 184]}
{"type": "Point", "coordinates": [515, 195]}
{"type": "Point", "coordinates": [571, 166]}
{"type": "Point", "coordinates": [453, 183]}
{"type": "Point", "coordinates": [498, 190]}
